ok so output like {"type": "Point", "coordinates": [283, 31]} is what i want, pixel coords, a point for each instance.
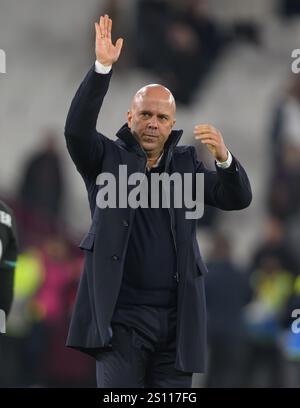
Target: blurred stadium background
{"type": "Point", "coordinates": [228, 63]}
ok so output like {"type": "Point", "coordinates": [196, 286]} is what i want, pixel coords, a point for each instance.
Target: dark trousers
{"type": "Point", "coordinates": [143, 351]}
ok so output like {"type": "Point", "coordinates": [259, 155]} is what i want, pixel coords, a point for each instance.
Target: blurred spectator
{"type": "Point", "coordinates": [56, 262]}
{"type": "Point", "coordinates": [284, 196]}
{"type": "Point", "coordinates": [180, 41]}
{"type": "Point", "coordinates": [60, 366]}
{"type": "Point", "coordinates": [289, 8]}
{"type": "Point", "coordinates": [152, 19]}
{"type": "Point", "coordinates": [247, 31]}
{"type": "Point", "coordinates": [272, 286]}
{"type": "Point", "coordinates": [293, 237]}
{"type": "Point", "coordinates": [34, 353]}
{"type": "Point", "coordinates": [291, 339]}
{"type": "Point", "coordinates": [275, 245]}
{"type": "Point", "coordinates": [41, 189]}
{"type": "Point", "coordinates": [286, 123]}
{"type": "Point", "coordinates": [18, 359]}
{"type": "Point", "coordinates": [227, 291]}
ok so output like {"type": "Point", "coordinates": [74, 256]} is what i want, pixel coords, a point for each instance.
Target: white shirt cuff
{"type": "Point", "coordinates": [102, 69]}
{"type": "Point", "coordinates": [225, 164]}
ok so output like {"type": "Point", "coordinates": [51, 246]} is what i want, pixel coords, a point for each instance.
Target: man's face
{"type": "Point", "coordinates": [152, 117]}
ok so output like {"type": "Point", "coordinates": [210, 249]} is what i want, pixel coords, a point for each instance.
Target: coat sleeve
{"type": "Point", "coordinates": [227, 189]}
{"type": "Point", "coordinates": [85, 145]}
{"type": "Point", "coordinates": [6, 289]}
{"type": "Point", "coordinates": [8, 255]}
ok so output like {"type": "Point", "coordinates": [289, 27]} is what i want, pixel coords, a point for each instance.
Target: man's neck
{"type": "Point", "coordinates": [152, 158]}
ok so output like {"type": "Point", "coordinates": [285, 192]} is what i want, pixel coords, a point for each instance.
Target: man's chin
{"type": "Point", "coordinates": [149, 146]}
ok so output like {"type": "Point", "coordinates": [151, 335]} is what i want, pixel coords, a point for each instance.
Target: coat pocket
{"type": "Point", "coordinates": [88, 242]}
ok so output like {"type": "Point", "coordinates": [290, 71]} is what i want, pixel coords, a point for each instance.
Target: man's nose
{"type": "Point", "coordinates": [153, 122]}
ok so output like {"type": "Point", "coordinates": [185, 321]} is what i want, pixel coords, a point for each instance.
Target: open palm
{"type": "Point", "coordinates": [106, 52]}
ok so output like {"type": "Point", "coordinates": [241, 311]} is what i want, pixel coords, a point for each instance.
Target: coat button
{"type": "Point", "coordinates": [115, 257]}
{"type": "Point", "coordinates": [125, 223]}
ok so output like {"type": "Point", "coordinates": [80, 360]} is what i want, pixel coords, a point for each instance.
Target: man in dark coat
{"type": "Point", "coordinates": [140, 307]}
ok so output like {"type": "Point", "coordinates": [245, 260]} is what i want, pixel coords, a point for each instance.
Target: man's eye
{"type": "Point", "coordinates": [146, 114]}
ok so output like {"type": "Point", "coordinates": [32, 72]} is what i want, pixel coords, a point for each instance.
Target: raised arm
{"type": "Point", "coordinates": [84, 143]}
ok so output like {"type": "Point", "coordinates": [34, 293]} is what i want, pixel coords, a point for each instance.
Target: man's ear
{"type": "Point", "coordinates": [129, 119]}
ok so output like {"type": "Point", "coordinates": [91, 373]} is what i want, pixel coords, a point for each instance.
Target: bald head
{"type": "Point", "coordinates": [156, 92]}
{"type": "Point", "coordinates": [151, 117]}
